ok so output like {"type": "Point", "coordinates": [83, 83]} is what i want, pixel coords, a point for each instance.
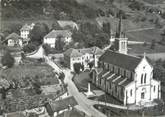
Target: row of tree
{"type": "Point", "coordinates": [59, 9]}
{"type": "Point", "coordinates": [90, 35]}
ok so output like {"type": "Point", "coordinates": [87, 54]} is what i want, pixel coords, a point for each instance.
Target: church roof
{"type": "Point", "coordinates": [121, 60]}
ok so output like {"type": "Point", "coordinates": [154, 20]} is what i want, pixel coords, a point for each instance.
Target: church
{"type": "Point", "coordinates": [126, 77]}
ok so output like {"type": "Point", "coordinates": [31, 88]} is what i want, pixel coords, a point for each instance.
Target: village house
{"type": "Point", "coordinates": [83, 56]}
{"type": "Point", "coordinates": [14, 40]}
{"type": "Point", "coordinates": [128, 78]}
{"type": "Point", "coordinates": [51, 38]}
{"type": "Point", "coordinates": [25, 31]}
{"type": "Point", "coordinates": [68, 25]}
{"type": "Point", "coordinates": [57, 107]}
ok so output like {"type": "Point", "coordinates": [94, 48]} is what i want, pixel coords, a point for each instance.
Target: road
{"type": "Point", "coordinates": [84, 103]}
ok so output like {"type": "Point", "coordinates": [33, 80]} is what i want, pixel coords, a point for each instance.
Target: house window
{"type": "Point", "coordinates": [131, 92]}
{"type": "Point", "coordinates": [131, 75]}
{"type": "Point", "coordinates": [116, 88]}
{"type": "Point", "coordinates": [142, 79]}
{"type": "Point", "coordinates": [154, 88]}
{"type": "Point", "coordinates": [145, 78]}
{"type": "Point", "coordinates": [124, 73]}
{"type": "Point", "coordinates": [113, 69]}
{"type": "Point", "coordinates": [109, 85]}
{"type": "Point", "coordinates": [142, 95]}
{"type": "Point", "coordinates": [108, 67]}
{"type": "Point", "coordinates": [118, 70]}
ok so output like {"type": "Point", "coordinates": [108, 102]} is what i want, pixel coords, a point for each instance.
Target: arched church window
{"type": "Point", "coordinates": [145, 78]}
{"type": "Point", "coordinates": [142, 79]}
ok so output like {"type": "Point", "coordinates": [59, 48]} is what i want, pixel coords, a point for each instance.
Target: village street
{"type": "Point", "coordinates": [83, 102]}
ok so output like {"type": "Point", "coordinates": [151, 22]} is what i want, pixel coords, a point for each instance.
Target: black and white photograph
{"type": "Point", "coordinates": [82, 58]}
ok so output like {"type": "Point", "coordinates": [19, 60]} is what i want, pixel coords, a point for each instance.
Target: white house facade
{"type": "Point", "coordinates": [52, 37]}
{"type": "Point", "coordinates": [82, 56]}
{"type": "Point", "coordinates": [25, 31]}
{"type": "Point", "coordinates": [14, 40]}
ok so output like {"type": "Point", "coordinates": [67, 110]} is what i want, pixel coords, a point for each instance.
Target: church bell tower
{"type": "Point", "coordinates": [120, 39]}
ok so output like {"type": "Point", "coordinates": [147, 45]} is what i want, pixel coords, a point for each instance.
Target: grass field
{"type": "Point", "coordinates": [72, 113]}
{"type": "Point", "coordinates": [23, 73]}
{"type": "Point", "coordinates": [145, 35]}
{"type": "Point", "coordinates": [154, 1]}
{"type": "Point", "coordinates": [147, 112]}
{"type": "Point", "coordinates": [6, 24]}
{"type": "Point", "coordinates": [82, 81]}
{"type": "Point", "coordinates": [140, 49]}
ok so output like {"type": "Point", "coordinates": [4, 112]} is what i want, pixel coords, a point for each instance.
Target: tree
{"type": "Point", "coordinates": [37, 87]}
{"type": "Point", "coordinates": [153, 44]}
{"type": "Point", "coordinates": [33, 115]}
{"type": "Point", "coordinates": [159, 72]}
{"type": "Point", "coordinates": [7, 60]}
{"type": "Point", "coordinates": [82, 67]}
{"type": "Point", "coordinates": [29, 48]}
{"type": "Point", "coordinates": [107, 28]}
{"type": "Point", "coordinates": [59, 44]}
{"type": "Point", "coordinates": [38, 32]}
{"type": "Point", "coordinates": [91, 64]}
{"type": "Point", "coordinates": [3, 92]}
{"type": "Point", "coordinates": [101, 40]}
{"type": "Point", "coordinates": [163, 15]}
{"type": "Point", "coordinates": [56, 26]}
{"type": "Point", "coordinates": [77, 67]}
{"type": "Point", "coordinates": [47, 49]}
{"type": "Point", "coordinates": [61, 76]}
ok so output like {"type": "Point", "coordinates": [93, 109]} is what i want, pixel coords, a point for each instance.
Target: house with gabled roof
{"type": "Point", "coordinates": [25, 31]}
{"type": "Point", "coordinates": [68, 24]}
{"type": "Point", "coordinates": [83, 56]}
{"type": "Point", "coordinates": [56, 107]}
{"type": "Point", "coordinates": [14, 39]}
{"type": "Point", "coordinates": [51, 37]}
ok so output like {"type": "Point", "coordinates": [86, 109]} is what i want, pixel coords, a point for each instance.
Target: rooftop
{"type": "Point", "coordinates": [79, 52]}
{"type": "Point", "coordinates": [57, 106]}
{"type": "Point", "coordinates": [56, 33]}
{"type": "Point", "coordinates": [25, 27]}
{"type": "Point", "coordinates": [121, 60]}
{"type": "Point", "coordinates": [115, 78]}
{"type": "Point", "coordinates": [65, 23]}
{"type": "Point", "coordinates": [13, 36]}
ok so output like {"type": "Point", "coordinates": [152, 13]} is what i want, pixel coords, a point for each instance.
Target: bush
{"type": "Point", "coordinates": [7, 60]}
{"type": "Point", "coordinates": [77, 67]}
{"type": "Point", "coordinates": [47, 49]}
{"type": "Point", "coordinates": [29, 48]}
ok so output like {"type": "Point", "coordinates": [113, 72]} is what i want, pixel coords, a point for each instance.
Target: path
{"type": "Point", "coordinates": [140, 29]}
